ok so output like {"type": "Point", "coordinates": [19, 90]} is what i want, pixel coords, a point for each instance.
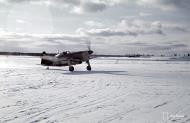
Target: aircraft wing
{"type": "Point", "coordinates": [66, 59]}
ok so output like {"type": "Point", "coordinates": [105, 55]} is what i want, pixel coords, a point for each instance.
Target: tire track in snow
{"type": "Point", "coordinates": [29, 108]}
{"type": "Point", "coordinates": [74, 108]}
{"type": "Point", "coordinates": [30, 111]}
{"type": "Point", "coordinates": [162, 104]}
{"type": "Point", "coordinates": [116, 116]}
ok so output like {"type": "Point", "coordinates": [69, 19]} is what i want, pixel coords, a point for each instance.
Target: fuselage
{"type": "Point", "coordinates": [65, 58]}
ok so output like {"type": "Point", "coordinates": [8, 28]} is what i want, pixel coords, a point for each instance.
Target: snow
{"type": "Point", "coordinates": [117, 90]}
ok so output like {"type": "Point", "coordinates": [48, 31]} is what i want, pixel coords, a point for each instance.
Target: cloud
{"type": "Point", "coordinates": [102, 40]}
{"type": "Point", "coordinates": [175, 27]}
{"type": "Point", "coordinates": [126, 28]}
{"type": "Point", "coordinates": [166, 5]}
{"type": "Point", "coordinates": [109, 32]}
{"type": "Point", "coordinates": [130, 27]}
{"type": "Point", "coordinates": [20, 21]}
{"type": "Point", "coordinates": [84, 6]}
{"type": "Point", "coordinates": [142, 14]}
{"type": "Point", "coordinates": [94, 6]}
{"type": "Point", "coordinates": [179, 4]}
{"type": "Point", "coordinates": [94, 24]}
{"type": "Point", "coordinates": [112, 32]}
{"type": "Point", "coordinates": [179, 45]}
{"type": "Point", "coordinates": [32, 40]}
{"type": "Point", "coordinates": [25, 42]}
{"type": "Point", "coordinates": [75, 6]}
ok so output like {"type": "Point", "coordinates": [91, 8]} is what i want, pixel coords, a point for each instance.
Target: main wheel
{"type": "Point", "coordinates": [71, 68]}
{"type": "Point", "coordinates": [88, 68]}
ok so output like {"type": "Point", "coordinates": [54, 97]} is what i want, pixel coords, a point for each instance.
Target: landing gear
{"type": "Point", "coordinates": [71, 68]}
{"type": "Point", "coordinates": [88, 67]}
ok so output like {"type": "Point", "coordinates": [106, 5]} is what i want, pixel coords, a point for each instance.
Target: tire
{"type": "Point", "coordinates": [71, 68]}
{"type": "Point", "coordinates": [88, 68]}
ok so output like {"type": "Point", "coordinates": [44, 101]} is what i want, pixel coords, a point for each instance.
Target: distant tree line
{"type": "Point", "coordinates": [188, 54]}
{"type": "Point", "coordinates": [99, 55]}
{"type": "Point", "coordinates": [24, 54]}
{"type": "Point", "coordinates": [52, 54]}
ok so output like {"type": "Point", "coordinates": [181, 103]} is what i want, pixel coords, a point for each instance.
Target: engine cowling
{"type": "Point", "coordinates": [46, 62]}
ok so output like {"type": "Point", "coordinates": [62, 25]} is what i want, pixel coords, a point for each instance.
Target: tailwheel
{"type": "Point", "coordinates": [71, 68]}
{"type": "Point", "coordinates": [88, 68]}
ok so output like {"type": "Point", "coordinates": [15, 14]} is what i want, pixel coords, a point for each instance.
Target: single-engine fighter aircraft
{"type": "Point", "coordinates": [67, 59]}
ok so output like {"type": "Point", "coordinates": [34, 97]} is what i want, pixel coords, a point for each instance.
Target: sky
{"type": "Point", "coordinates": [111, 26]}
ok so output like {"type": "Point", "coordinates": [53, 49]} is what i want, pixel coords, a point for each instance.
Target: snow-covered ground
{"type": "Point", "coordinates": [115, 91]}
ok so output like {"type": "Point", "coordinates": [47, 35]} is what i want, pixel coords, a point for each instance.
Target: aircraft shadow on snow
{"type": "Point", "coordinates": [78, 72]}
{"type": "Point", "coordinates": [97, 72]}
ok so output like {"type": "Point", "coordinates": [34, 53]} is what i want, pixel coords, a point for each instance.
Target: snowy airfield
{"type": "Point", "coordinates": [117, 90]}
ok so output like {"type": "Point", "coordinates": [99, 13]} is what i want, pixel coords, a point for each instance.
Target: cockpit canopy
{"type": "Point", "coordinates": [61, 54]}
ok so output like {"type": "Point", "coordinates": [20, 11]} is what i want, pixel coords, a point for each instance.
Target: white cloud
{"type": "Point", "coordinates": [94, 24]}
{"type": "Point", "coordinates": [11, 36]}
{"type": "Point", "coordinates": [20, 21]}
{"type": "Point", "coordinates": [166, 5]}
{"type": "Point", "coordinates": [107, 30]}
{"type": "Point", "coordinates": [83, 6]}
{"type": "Point", "coordinates": [77, 10]}
{"type": "Point", "coordinates": [175, 27]}
{"type": "Point", "coordinates": [23, 42]}
{"type": "Point", "coordinates": [76, 6]}
{"type": "Point", "coordinates": [93, 6]}
{"type": "Point", "coordinates": [155, 4]}
{"type": "Point", "coordinates": [126, 28]}
{"type": "Point", "coordinates": [142, 14]}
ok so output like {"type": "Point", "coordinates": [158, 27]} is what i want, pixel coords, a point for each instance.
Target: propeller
{"type": "Point", "coordinates": [44, 53]}
{"type": "Point", "coordinates": [89, 47]}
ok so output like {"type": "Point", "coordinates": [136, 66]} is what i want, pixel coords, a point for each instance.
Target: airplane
{"type": "Point", "coordinates": [67, 59]}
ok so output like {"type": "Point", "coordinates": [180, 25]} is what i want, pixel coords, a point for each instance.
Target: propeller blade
{"type": "Point", "coordinates": [90, 52]}
{"type": "Point", "coordinates": [88, 43]}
